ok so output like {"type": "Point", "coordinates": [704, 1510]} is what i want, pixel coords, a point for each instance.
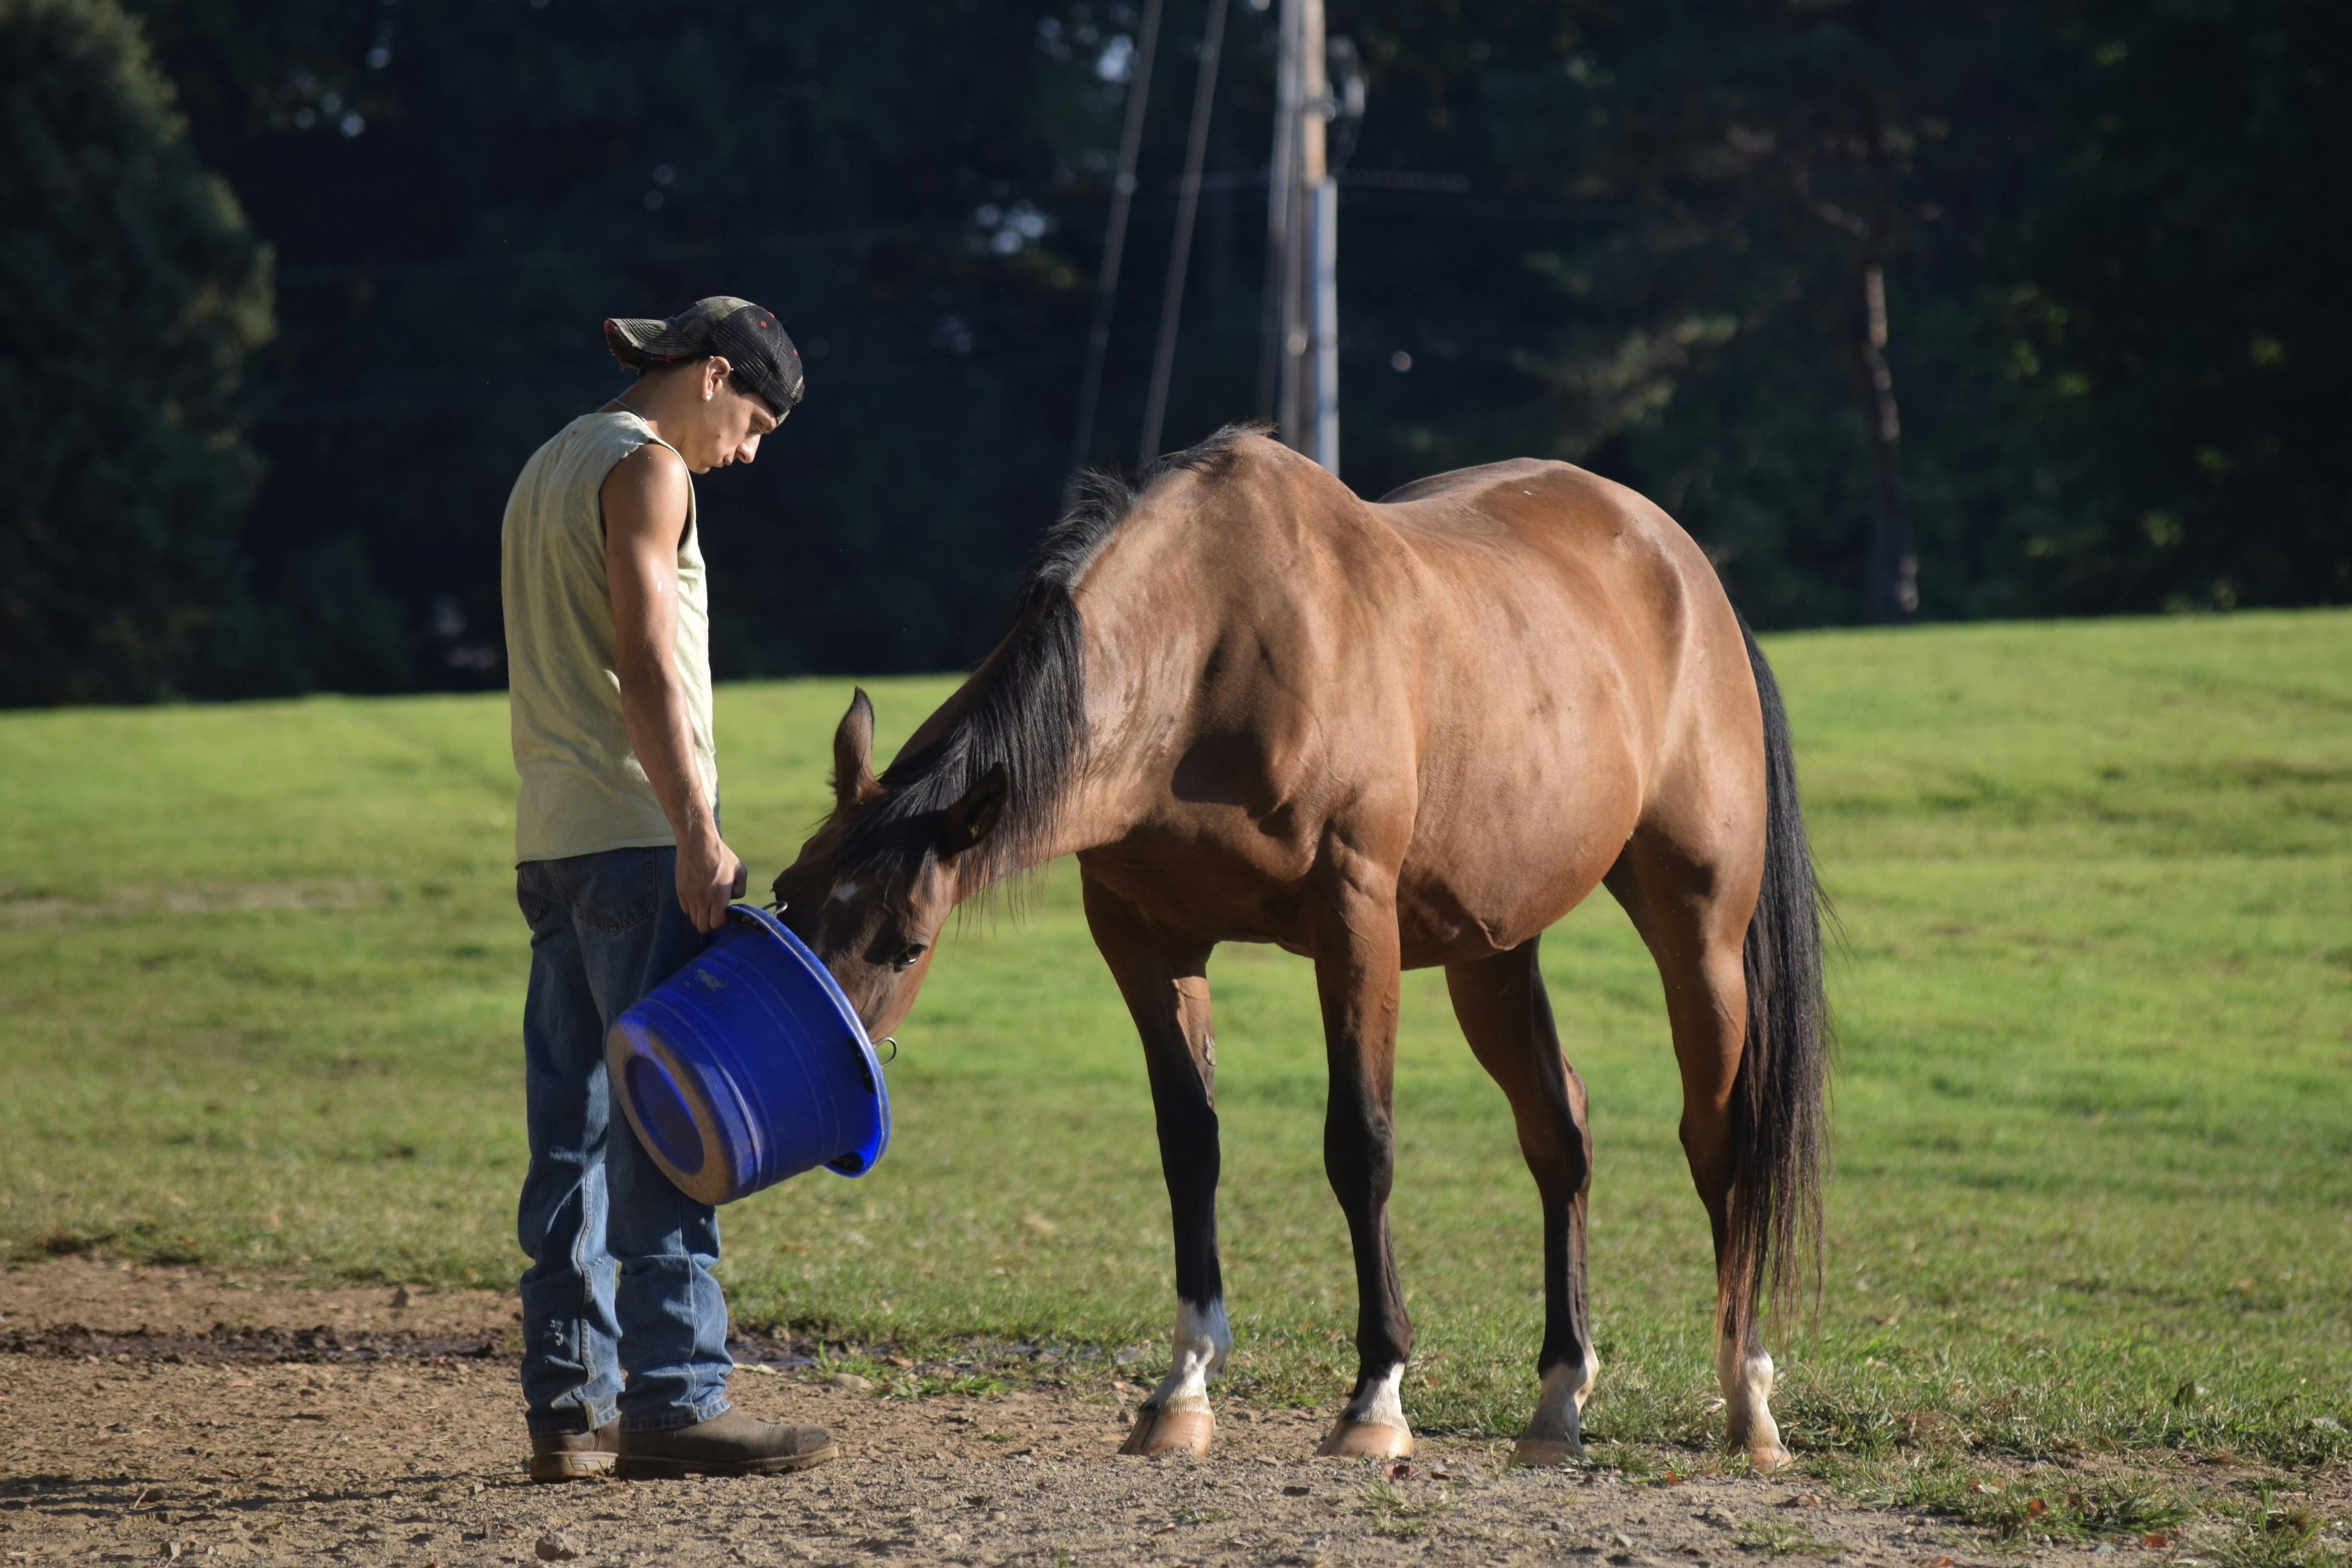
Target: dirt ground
{"type": "Point", "coordinates": [158, 1413]}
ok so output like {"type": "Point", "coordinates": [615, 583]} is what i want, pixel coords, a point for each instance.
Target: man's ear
{"type": "Point", "coordinates": [854, 783]}
{"type": "Point", "coordinates": [974, 817]}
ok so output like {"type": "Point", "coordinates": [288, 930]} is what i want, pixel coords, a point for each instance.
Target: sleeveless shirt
{"type": "Point", "coordinates": [583, 790]}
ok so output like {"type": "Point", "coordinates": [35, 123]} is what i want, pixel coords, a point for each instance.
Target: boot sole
{"type": "Point", "coordinates": [571, 1466]}
{"type": "Point", "coordinates": [646, 1468]}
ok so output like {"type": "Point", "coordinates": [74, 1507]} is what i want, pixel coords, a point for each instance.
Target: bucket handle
{"type": "Point", "coordinates": [778, 906]}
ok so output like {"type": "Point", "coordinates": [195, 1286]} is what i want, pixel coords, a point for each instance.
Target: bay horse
{"type": "Point", "coordinates": [1383, 735]}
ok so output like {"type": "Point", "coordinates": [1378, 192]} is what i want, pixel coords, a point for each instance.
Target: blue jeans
{"type": "Point", "coordinates": [620, 1280]}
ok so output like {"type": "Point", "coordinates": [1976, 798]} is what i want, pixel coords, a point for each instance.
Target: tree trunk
{"type": "Point", "coordinates": [1893, 560]}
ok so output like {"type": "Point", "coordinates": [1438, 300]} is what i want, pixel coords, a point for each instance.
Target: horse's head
{"type": "Point", "coordinates": [875, 883]}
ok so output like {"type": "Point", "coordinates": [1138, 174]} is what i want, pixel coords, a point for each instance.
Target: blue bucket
{"type": "Point", "coordinates": [749, 1066]}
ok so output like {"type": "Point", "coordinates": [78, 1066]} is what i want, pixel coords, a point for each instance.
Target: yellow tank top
{"type": "Point", "coordinates": [584, 789]}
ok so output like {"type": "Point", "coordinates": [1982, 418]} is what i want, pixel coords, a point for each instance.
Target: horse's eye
{"type": "Point", "coordinates": [907, 959]}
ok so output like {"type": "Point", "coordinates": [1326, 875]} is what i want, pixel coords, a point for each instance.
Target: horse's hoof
{"type": "Point", "coordinates": [1170, 1432]}
{"type": "Point", "coordinates": [1542, 1454]}
{"type": "Point", "coordinates": [1365, 1440]}
{"type": "Point", "coordinates": [1767, 1458]}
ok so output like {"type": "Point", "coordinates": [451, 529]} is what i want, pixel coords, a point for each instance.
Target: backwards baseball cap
{"type": "Point", "coordinates": [751, 339]}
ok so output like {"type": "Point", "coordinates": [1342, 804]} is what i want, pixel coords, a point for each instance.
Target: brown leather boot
{"type": "Point", "coordinates": [574, 1455]}
{"type": "Point", "coordinates": [731, 1443]}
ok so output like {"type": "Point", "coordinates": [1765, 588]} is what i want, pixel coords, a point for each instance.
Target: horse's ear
{"type": "Point", "coordinates": [974, 817]}
{"type": "Point", "coordinates": [854, 783]}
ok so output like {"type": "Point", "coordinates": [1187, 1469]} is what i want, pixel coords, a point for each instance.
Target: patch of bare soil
{"type": "Point", "coordinates": [161, 1414]}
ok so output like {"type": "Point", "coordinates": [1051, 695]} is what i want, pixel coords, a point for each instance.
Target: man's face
{"type": "Point", "coordinates": [735, 420]}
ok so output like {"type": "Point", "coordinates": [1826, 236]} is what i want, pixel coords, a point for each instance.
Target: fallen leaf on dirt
{"type": "Point", "coordinates": [1396, 1469]}
{"type": "Point", "coordinates": [2156, 1540]}
{"type": "Point", "coordinates": [1802, 1500]}
{"type": "Point", "coordinates": [2037, 1507]}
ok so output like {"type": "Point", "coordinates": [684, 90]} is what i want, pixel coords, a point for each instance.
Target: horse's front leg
{"type": "Point", "coordinates": [1167, 991]}
{"type": "Point", "coordinates": [1356, 977]}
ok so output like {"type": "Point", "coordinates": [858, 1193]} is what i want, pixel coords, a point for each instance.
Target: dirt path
{"type": "Point", "coordinates": [162, 1413]}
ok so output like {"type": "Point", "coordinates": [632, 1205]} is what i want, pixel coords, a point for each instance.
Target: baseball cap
{"type": "Point", "coordinates": [751, 339]}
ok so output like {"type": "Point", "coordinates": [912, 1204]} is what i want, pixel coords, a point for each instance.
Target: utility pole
{"type": "Point", "coordinates": [1302, 245]}
{"type": "Point", "coordinates": [1281, 203]}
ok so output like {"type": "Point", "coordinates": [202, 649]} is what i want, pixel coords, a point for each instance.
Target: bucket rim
{"type": "Point", "coordinates": [766, 920]}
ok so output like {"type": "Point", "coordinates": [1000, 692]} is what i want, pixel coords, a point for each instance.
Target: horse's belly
{"type": "Point", "coordinates": [1483, 880]}
{"type": "Point", "coordinates": [1204, 892]}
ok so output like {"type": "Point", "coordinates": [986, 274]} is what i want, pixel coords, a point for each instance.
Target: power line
{"type": "Point", "coordinates": [1123, 198]}
{"type": "Point", "coordinates": [1180, 247]}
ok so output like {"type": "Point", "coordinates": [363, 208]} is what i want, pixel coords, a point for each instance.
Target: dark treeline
{"type": "Point", "coordinates": [297, 285]}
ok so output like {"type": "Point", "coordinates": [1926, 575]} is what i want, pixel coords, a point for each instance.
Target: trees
{"type": "Point", "coordinates": [136, 294]}
{"type": "Point", "coordinates": [2177, 305]}
{"type": "Point", "coordinates": [2103, 233]}
{"type": "Point", "coordinates": [2107, 238]}
{"type": "Point", "coordinates": [459, 192]}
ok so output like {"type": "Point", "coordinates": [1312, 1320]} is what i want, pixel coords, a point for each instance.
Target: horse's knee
{"type": "Point", "coordinates": [1558, 1159]}
{"type": "Point", "coordinates": [1359, 1157]}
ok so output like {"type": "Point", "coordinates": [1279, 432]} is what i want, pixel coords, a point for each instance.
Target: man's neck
{"type": "Point", "coordinates": [651, 400]}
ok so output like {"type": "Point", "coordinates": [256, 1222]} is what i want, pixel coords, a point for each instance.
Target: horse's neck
{"type": "Point", "coordinates": [1140, 679]}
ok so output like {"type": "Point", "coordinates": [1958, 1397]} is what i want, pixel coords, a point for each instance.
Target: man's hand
{"type": "Point", "coordinates": [708, 877]}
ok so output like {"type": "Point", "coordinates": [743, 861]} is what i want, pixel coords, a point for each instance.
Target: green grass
{"type": "Point", "coordinates": [263, 972]}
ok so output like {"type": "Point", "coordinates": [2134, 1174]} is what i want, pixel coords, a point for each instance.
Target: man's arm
{"type": "Point", "coordinates": [645, 501]}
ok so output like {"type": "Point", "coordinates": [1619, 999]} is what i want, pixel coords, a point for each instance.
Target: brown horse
{"type": "Point", "coordinates": [1383, 735]}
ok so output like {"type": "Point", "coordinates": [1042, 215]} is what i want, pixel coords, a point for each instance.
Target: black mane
{"type": "Point", "coordinates": [1026, 709]}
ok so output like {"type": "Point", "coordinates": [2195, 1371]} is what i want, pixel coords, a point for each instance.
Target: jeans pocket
{"type": "Point", "coordinates": [533, 903]}
{"type": "Point", "coordinates": [613, 891]}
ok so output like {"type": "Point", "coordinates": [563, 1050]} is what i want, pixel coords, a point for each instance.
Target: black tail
{"type": "Point", "coordinates": [1779, 1103]}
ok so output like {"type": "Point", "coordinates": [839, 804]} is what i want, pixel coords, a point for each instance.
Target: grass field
{"type": "Point", "coordinates": [262, 971]}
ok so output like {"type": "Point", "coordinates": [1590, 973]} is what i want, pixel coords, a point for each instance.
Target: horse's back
{"type": "Point", "coordinates": [1551, 511]}
{"type": "Point", "coordinates": [1478, 680]}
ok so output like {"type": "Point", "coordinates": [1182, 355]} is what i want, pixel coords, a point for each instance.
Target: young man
{"type": "Point", "coordinates": [622, 872]}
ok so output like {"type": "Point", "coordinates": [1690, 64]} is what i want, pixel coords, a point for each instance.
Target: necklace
{"type": "Point", "coordinates": [630, 406]}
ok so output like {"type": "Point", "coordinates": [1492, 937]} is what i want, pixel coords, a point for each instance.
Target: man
{"type": "Point", "coordinates": [622, 872]}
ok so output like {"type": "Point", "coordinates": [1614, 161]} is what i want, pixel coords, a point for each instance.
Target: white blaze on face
{"type": "Point", "coordinates": [1379, 1404]}
{"type": "Point", "coordinates": [844, 892]}
{"type": "Point", "coordinates": [1200, 1342]}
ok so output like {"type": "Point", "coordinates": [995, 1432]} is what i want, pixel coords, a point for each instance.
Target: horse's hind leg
{"type": "Point", "coordinates": [1692, 914]}
{"type": "Point", "coordinates": [1506, 1017]}
{"type": "Point", "coordinates": [1167, 990]}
